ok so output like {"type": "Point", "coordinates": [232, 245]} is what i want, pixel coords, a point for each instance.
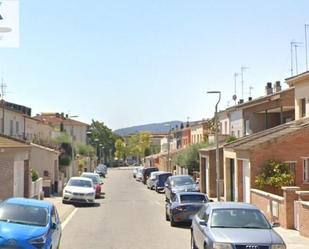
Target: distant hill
{"type": "Point", "coordinates": [158, 127]}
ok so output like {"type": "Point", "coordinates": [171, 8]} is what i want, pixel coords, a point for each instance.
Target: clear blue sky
{"type": "Point", "coordinates": [133, 62]}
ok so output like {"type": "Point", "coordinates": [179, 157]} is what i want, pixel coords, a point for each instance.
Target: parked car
{"type": "Point", "coordinates": [139, 174]}
{"type": "Point", "coordinates": [135, 170]}
{"type": "Point", "coordinates": [28, 223]}
{"type": "Point", "coordinates": [183, 206]}
{"type": "Point", "coordinates": [79, 190]}
{"type": "Point", "coordinates": [233, 225]}
{"type": "Point", "coordinates": [152, 178]}
{"type": "Point", "coordinates": [97, 182]}
{"type": "Point", "coordinates": [179, 183]}
{"type": "Point", "coordinates": [101, 169]}
{"type": "Point", "coordinates": [160, 181]}
{"type": "Point", "coordinates": [146, 173]}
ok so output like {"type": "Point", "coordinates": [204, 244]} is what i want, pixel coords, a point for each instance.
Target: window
{"type": "Point", "coordinates": [17, 128]}
{"type": "Point", "coordinates": [303, 107]}
{"type": "Point", "coordinates": [11, 127]}
{"type": "Point", "coordinates": [306, 170]}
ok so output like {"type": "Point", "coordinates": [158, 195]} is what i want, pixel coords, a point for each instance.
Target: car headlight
{"type": "Point", "coordinates": [222, 246]}
{"type": "Point", "coordinates": [39, 242]}
{"type": "Point", "coordinates": [67, 191]}
{"type": "Point", "coordinates": [278, 246]}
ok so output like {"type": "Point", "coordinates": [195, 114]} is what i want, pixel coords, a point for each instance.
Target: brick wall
{"type": "Point", "coordinates": [304, 218]}
{"type": "Point", "coordinates": [288, 148]}
{"type": "Point", "coordinates": [6, 175]}
{"type": "Point", "coordinates": [240, 179]}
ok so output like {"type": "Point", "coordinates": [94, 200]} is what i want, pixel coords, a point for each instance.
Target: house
{"type": "Point", "coordinates": [45, 161]}
{"type": "Point", "coordinates": [199, 131]}
{"type": "Point", "coordinates": [63, 123]}
{"type": "Point", "coordinates": [15, 176]}
{"type": "Point", "coordinates": [275, 108]}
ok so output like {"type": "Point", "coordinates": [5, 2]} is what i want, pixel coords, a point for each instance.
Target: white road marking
{"type": "Point", "coordinates": [68, 218]}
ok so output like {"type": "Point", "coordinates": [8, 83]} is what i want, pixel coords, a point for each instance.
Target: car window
{"type": "Point", "coordinates": [239, 218]}
{"type": "Point", "coordinates": [22, 214]}
{"type": "Point", "coordinates": [206, 214]}
{"type": "Point", "coordinates": [186, 198]}
{"type": "Point", "coordinates": [201, 213]}
{"type": "Point", "coordinates": [179, 181]}
{"type": "Point", "coordinates": [79, 183]}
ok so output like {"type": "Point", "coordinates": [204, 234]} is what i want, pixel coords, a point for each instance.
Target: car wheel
{"type": "Point", "coordinates": [156, 190]}
{"type": "Point", "coordinates": [64, 202]}
{"type": "Point", "coordinates": [167, 218]}
{"type": "Point", "coordinates": [173, 223]}
{"type": "Point", "coordinates": [193, 246]}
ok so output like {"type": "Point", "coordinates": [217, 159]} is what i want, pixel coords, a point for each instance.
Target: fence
{"type": "Point", "coordinates": [36, 188]}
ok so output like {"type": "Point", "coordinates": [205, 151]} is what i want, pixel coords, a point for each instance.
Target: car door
{"type": "Point", "coordinates": [203, 215]}
{"type": "Point", "coordinates": [56, 228]}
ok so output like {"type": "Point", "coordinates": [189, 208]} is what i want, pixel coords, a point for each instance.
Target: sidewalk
{"type": "Point", "coordinates": [292, 238]}
{"type": "Point", "coordinates": [64, 210]}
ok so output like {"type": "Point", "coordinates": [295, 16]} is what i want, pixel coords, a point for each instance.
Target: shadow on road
{"type": "Point", "coordinates": [87, 205]}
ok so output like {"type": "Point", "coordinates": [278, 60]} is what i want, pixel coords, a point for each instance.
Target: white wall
{"type": "Point", "coordinates": [14, 123]}
{"type": "Point", "coordinates": [236, 123]}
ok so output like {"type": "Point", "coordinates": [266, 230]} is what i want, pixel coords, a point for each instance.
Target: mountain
{"type": "Point", "coordinates": [157, 127]}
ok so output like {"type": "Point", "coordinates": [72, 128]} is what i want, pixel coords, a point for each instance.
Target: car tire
{"type": "Point", "coordinates": [167, 218]}
{"type": "Point", "coordinates": [193, 245]}
{"type": "Point", "coordinates": [65, 202]}
{"type": "Point", "coordinates": [156, 190]}
{"type": "Point", "coordinates": [173, 223]}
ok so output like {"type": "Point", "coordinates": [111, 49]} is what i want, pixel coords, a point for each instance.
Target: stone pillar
{"type": "Point", "coordinates": [289, 195]}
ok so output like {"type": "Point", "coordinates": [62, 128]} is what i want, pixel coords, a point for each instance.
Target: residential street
{"type": "Point", "coordinates": [130, 216]}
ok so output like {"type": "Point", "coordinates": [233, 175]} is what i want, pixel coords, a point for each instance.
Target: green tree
{"type": "Point", "coordinates": [138, 145]}
{"type": "Point", "coordinates": [86, 150]}
{"type": "Point", "coordinates": [274, 174]}
{"type": "Point", "coordinates": [101, 134]}
{"type": "Point", "coordinates": [189, 158]}
{"type": "Point", "coordinates": [120, 147]}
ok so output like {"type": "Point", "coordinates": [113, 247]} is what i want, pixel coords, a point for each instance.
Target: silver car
{"type": "Point", "coordinates": [153, 177]}
{"type": "Point", "coordinates": [232, 225]}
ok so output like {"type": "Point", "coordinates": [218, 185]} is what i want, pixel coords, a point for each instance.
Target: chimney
{"type": "Point", "coordinates": [66, 116]}
{"type": "Point", "coordinates": [277, 86]}
{"type": "Point", "coordinates": [62, 115]}
{"type": "Point", "coordinates": [268, 88]}
{"type": "Point", "coordinates": [250, 98]}
{"type": "Point", "coordinates": [240, 101]}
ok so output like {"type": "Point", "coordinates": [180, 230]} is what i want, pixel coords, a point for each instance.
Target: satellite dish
{"type": "Point", "coordinates": [234, 97]}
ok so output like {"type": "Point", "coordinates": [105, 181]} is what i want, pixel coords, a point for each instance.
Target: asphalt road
{"type": "Point", "coordinates": [129, 216]}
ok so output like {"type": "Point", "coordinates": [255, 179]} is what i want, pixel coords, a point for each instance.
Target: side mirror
{"type": "Point", "coordinates": [275, 224]}
{"type": "Point", "coordinates": [203, 223]}
{"type": "Point", "coordinates": [54, 226]}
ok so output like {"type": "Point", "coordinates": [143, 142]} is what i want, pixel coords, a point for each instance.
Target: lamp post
{"type": "Point", "coordinates": [217, 144]}
{"type": "Point", "coordinates": [168, 148]}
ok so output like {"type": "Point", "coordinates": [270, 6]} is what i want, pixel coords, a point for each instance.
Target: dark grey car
{"type": "Point", "coordinates": [179, 183]}
{"type": "Point", "coordinates": [232, 225]}
{"type": "Point", "coordinates": [184, 206]}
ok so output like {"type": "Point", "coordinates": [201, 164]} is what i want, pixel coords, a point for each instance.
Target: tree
{"type": "Point", "coordinates": [120, 147]}
{"type": "Point", "coordinates": [101, 134]}
{"type": "Point", "coordinates": [138, 145]}
{"type": "Point", "coordinates": [275, 174]}
{"type": "Point", "coordinates": [86, 150]}
{"type": "Point", "coordinates": [189, 158]}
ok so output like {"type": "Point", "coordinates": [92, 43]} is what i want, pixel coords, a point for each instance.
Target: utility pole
{"type": "Point", "coordinates": [242, 69]}
{"type": "Point", "coordinates": [306, 46]}
{"type": "Point", "coordinates": [3, 87]}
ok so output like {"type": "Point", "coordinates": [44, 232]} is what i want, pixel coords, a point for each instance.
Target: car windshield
{"type": "Point", "coordinates": [92, 177]}
{"type": "Point", "coordinates": [192, 198]}
{"type": "Point", "coordinates": [179, 181]}
{"type": "Point", "coordinates": [163, 178]}
{"type": "Point", "coordinates": [22, 214]}
{"type": "Point", "coordinates": [79, 183]}
{"type": "Point", "coordinates": [238, 218]}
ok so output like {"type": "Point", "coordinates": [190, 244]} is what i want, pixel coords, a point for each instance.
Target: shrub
{"type": "Point", "coordinates": [34, 175]}
{"type": "Point", "coordinates": [275, 174]}
{"type": "Point", "coordinates": [64, 160]}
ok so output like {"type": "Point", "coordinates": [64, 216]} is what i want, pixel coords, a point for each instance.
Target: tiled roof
{"type": "Point", "coordinates": [268, 135]}
{"type": "Point", "coordinates": [54, 120]}
{"type": "Point", "coordinates": [7, 142]}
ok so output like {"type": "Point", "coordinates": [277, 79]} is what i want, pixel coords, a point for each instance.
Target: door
{"type": "Point", "coordinates": [232, 178]}
{"type": "Point", "coordinates": [18, 178]}
{"type": "Point", "coordinates": [296, 215]}
{"type": "Point", "coordinates": [246, 181]}
{"type": "Point", "coordinates": [207, 175]}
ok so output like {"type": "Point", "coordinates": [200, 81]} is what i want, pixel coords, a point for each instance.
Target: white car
{"type": "Point", "coordinates": [79, 190]}
{"type": "Point", "coordinates": [153, 177]}
{"type": "Point", "coordinates": [139, 174]}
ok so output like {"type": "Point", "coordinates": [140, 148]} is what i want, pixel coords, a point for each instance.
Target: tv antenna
{"type": "Point", "coordinates": [235, 83]}
{"type": "Point", "coordinates": [242, 69]}
{"type": "Point", "coordinates": [3, 87]}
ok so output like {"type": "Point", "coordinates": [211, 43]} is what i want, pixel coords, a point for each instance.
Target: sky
{"type": "Point", "coordinates": [131, 62]}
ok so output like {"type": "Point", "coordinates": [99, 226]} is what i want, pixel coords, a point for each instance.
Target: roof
{"type": "Point", "coordinates": [45, 148]}
{"type": "Point", "coordinates": [268, 135]}
{"type": "Point", "coordinates": [258, 100]}
{"type": "Point", "coordinates": [57, 119]}
{"type": "Point", "coordinates": [9, 142]}
{"type": "Point", "coordinates": [29, 202]}
{"type": "Point", "coordinates": [223, 205]}
{"type": "Point", "coordinates": [212, 147]}
{"type": "Point", "coordinates": [297, 78]}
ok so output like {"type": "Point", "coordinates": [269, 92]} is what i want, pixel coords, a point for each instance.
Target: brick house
{"type": "Point", "coordinates": [15, 174]}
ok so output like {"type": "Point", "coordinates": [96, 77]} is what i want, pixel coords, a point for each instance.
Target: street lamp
{"type": "Point", "coordinates": [168, 148]}
{"type": "Point", "coordinates": [217, 144]}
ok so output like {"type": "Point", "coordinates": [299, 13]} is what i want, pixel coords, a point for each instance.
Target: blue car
{"type": "Point", "coordinates": [29, 224]}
